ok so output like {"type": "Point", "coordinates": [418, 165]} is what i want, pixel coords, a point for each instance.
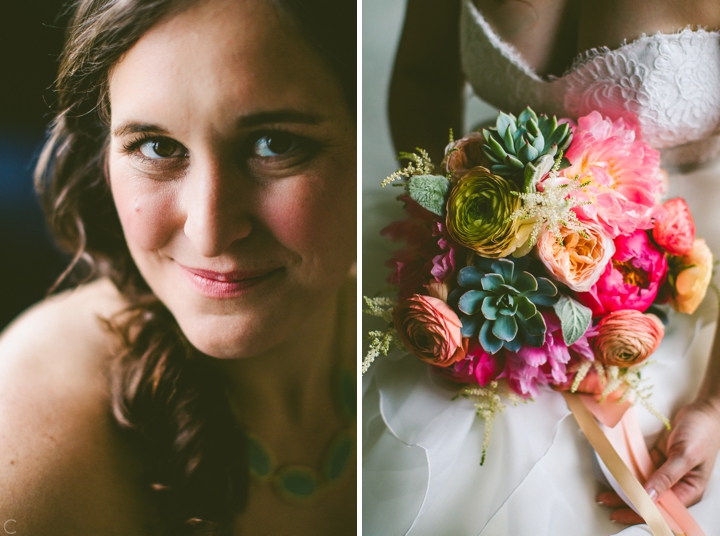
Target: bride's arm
{"type": "Point", "coordinates": [426, 88]}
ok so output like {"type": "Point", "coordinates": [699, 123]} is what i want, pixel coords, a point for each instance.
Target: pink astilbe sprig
{"type": "Point", "coordinates": [622, 175]}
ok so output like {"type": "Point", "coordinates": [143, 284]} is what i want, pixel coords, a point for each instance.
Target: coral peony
{"type": "Point", "coordinates": [675, 230]}
{"type": "Point", "coordinates": [430, 330]}
{"type": "Point", "coordinates": [477, 367]}
{"type": "Point", "coordinates": [466, 153]}
{"type": "Point", "coordinates": [625, 180]}
{"type": "Point", "coordinates": [627, 337]}
{"type": "Point", "coordinates": [478, 208]}
{"type": "Point", "coordinates": [579, 260]}
{"type": "Point", "coordinates": [692, 283]}
{"type": "Point", "coordinates": [631, 280]}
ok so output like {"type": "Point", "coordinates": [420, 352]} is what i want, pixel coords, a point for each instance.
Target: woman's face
{"type": "Point", "coordinates": [232, 165]}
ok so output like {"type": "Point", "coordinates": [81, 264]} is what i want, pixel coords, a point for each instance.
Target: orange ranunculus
{"type": "Point", "coordinates": [430, 330]}
{"type": "Point", "coordinates": [692, 283]}
{"type": "Point", "coordinates": [578, 261]}
{"type": "Point", "coordinates": [627, 337]}
{"type": "Point", "coordinates": [466, 153]}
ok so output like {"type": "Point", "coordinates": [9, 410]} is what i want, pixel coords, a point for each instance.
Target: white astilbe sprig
{"type": "Point", "coordinates": [420, 164]}
{"type": "Point", "coordinates": [551, 208]}
{"type": "Point", "coordinates": [634, 388]}
{"type": "Point", "coordinates": [381, 341]}
{"type": "Point", "coordinates": [488, 404]}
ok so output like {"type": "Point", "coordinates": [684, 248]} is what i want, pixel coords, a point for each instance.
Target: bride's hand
{"type": "Point", "coordinates": [685, 457]}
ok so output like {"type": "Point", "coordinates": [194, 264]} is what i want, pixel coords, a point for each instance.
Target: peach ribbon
{"type": "Point", "coordinates": [622, 449]}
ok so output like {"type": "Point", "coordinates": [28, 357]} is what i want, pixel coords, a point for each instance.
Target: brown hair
{"type": "Point", "coordinates": [165, 394]}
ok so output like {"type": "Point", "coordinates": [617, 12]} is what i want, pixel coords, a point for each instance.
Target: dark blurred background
{"type": "Point", "coordinates": [31, 36]}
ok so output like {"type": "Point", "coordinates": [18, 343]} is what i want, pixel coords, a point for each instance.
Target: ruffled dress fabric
{"type": "Point", "coordinates": [422, 448]}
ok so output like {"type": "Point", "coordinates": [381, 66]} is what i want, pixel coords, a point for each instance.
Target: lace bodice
{"type": "Point", "coordinates": [670, 82]}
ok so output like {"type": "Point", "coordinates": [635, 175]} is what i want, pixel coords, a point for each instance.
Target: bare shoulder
{"type": "Point", "coordinates": [64, 467]}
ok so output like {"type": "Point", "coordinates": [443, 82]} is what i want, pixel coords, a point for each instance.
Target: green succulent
{"type": "Point", "coordinates": [524, 149]}
{"type": "Point", "coordinates": [498, 301]}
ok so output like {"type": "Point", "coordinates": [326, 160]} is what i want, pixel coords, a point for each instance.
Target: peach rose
{"type": "Point", "coordinates": [627, 337]}
{"type": "Point", "coordinates": [466, 153]}
{"type": "Point", "coordinates": [579, 261]}
{"type": "Point", "coordinates": [692, 283]}
{"type": "Point", "coordinates": [430, 330]}
{"type": "Point", "coordinates": [675, 231]}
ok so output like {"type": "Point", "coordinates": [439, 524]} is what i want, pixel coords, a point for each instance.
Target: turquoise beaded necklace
{"type": "Point", "coordinates": [300, 482]}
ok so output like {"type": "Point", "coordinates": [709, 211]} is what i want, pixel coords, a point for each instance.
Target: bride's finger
{"type": "Point", "coordinates": [626, 516]}
{"type": "Point", "coordinates": [611, 499]}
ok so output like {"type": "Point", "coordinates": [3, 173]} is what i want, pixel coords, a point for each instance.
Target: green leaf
{"type": "Point", "coordinates": [470, 325]}
{"type": "Point", "coordinates": [490, 155]}
{"type": "Point", "coordinates": [574, 317]}
{"type": "Point", "coordinates": [430, 192]}
{"type": "Point", "coordinates": [528, 153]}
{"type": "Point", "coordinates": [525, 282]}
{"type": "Point", "coordinates": [505, 268]}
{"type": "Point", "coordinates": [526, 115]}
{"type": "Point", "coordinates": [505, 328]}
{"type": "Point", "coordinates": [490, 343]}
{"type": "Point", "coordinates": [502, 123]}
{"type": "Point", "coordinates": [489, 307]}
{"type": "Point", "coordinates": [492, 282]}
{"type": "Point", "coordinates": [470, 276]}
{"type": "Point", "coordinates": [497, 149]}
{"type": "Point", "coordinates": [508, 140]}
{"type": "Point", "coordinates": [511, 162]}
{"type": "Point", "coordinates": [513, 345]}
{"type": "Point", "coordinates": [471, 301]}
{"type": "Point", "coordinates": [526, 308]}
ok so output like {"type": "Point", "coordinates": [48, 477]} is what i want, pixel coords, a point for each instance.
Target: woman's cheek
{"type": "Point", "coordinates": [146, 211]}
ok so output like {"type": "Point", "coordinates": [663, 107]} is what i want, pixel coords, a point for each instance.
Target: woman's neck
{"type": "Point", "coordinates": [291, 385]}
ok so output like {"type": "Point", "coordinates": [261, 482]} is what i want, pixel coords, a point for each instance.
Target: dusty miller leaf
{"type": "Point", "coordinates": [430, 192]}
{"type": "Point", "coordinates": [574, 317]}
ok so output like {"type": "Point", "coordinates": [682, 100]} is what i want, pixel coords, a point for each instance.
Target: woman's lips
{"type": "Point", "coordinates": [226, 284]}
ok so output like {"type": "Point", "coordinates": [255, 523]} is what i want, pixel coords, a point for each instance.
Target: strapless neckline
{"type": "Point", "coordinates": [511, 53]}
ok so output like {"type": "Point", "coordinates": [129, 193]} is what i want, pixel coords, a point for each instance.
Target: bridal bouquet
{"type": "Point", "coordinates": [539, 253]}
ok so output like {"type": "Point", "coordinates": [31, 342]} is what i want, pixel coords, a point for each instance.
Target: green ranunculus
{"type": "Point", "coordinates": [477, 210]}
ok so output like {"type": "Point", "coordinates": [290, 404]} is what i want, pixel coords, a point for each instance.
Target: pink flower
{"type": "Point", "coordinates": [631, 280]}
{"type": "Point", "coordinates": [477, 367]}
{"type": "Point", "coordinates": [428, 252]}
{"type": "Point", "coordinates": [674, 231]}
{"type": "Point", "coordinates": [627, 337]}
{"type": "Point", "coordinates": [430, 330]}
{"type": "Point", "coordinates": [625, 180]}
{"type": "Point", "coordinates": [579, 260]}
{"type": "Point", "coordinates": [531, 367]}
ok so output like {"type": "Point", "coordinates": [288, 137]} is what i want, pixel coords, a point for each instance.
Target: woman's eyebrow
{"type": "Point", "coordinates": [279, 116]}
{"type": "Point", "coordinates": [132, 127]}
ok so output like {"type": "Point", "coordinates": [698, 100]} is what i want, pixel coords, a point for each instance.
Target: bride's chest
{"type": "Point", "coordinates": [668, 80]}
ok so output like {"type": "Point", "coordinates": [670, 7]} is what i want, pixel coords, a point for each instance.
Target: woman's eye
{"type": "Point", "coordinates": [277, 144]}
{"type": "Point", "coordinates": [160, 148]}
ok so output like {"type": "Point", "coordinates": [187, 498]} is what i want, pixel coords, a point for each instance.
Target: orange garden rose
{"type": "Point", "coordinates": [578, 261]}
{"type": "Point", "coordinates": [465, 154]}
{"type": "Point", "coordinates": [430, 330]}
{"type": "Point", "coordinates": [627, 337]}
{"type": "Point", "coordinates": [692, 283]}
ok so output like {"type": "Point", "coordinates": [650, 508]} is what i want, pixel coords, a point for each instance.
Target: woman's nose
{"type": "Point", "coordinates": [218, 209]}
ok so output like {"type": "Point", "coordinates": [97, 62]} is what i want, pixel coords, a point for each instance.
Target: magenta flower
{"type": "Point", "coordinates": [477, 367]}
{"type": "Point", "coordinates": [631, 280]}
{"type": "Point", "coordinates": [625, 180]}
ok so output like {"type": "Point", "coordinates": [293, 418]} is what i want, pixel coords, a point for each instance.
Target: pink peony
{"type": "Point", "coordinates": [674, 231]}
{"type": "Point", "coordinates": [631, 280]}
{"type": "Point", "coordinates": [477, 367]}
{"type": "Point", "coordinates": [625, 180]}
{"type": "Point", "coordinates": [531, 367]}
{"type": "Point", "coordinates": [430, 330]}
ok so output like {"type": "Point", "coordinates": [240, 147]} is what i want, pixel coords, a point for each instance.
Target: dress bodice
{"type": "Point", "coordinates": [670, 82]}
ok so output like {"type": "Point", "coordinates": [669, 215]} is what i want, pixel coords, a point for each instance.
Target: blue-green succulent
{"type": "Point", "coordinates": [524, 148]}
{"type": "Point", "coordinates": [498, 302]}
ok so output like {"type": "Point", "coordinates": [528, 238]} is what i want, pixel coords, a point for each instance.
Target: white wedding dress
{"type": "Point", "coordinates": [421, 449]}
